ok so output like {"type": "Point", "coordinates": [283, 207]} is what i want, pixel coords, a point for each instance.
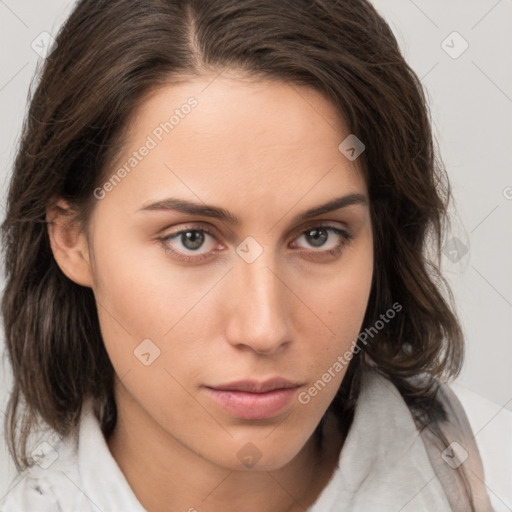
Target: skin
{"type": "Point", "coordinates": [265, 151]}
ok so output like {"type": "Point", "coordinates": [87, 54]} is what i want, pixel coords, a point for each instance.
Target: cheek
{"type": "Point", "coordinates": [142, 296]}
{"type": "Point", "coordinates": [347, 302]}
{"type": "Point", "coordinates": [344, 296]}
{"type": "Point", "coordinates": [142, 289]}
{"type": "Point", "coordinates": [344, 301]}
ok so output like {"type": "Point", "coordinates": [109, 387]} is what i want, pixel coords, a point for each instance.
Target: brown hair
{"type": "Point", "coordinates": [109, 55]}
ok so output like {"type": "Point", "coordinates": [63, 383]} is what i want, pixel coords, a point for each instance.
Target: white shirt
{"type": "Point", "coordinates": [383, 467]}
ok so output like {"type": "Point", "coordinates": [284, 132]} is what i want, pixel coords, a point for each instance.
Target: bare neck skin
{"type": "Point", "coordinates": [166, 476]}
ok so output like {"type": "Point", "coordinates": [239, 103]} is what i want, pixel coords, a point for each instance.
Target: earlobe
{"type": "Point", "coordinates": [69, 244]}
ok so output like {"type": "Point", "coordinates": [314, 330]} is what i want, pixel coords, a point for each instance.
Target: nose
{"type": "Point", "coordinates": [259, 315]}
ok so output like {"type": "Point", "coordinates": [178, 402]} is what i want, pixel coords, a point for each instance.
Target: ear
{"type": "Point", "coordinates": [69, 245]}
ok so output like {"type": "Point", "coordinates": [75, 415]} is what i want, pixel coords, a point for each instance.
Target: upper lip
{"type": "Point", "coordinates": [254, 386]}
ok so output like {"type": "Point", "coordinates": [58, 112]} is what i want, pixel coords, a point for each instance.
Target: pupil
{"type": "Point", "coordinates": [192, 239]}
{"type": "Point", "coordinates": [317, 237]}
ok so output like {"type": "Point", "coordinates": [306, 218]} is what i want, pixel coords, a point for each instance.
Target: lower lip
{"type": "Point", "coordinates": [253, 406]}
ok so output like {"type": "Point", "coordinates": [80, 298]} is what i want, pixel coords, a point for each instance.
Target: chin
{"type": "Point", "coordinates": [261, 455]}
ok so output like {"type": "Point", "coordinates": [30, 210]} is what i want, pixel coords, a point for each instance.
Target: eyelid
{"type": "Point", "coordinates": [345, 235]}
{"type": "Point", "coordinates": [192, 227]}
{"type": "Point", "coordinates": [319, 223]}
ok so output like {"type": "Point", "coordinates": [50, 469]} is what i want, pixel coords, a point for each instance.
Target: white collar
{"type": "Point", "coordinates": [383, 464]}
{"type": "Point", "coordinates": [102, 480]}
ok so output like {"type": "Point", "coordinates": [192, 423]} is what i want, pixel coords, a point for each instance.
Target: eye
{"type": "Point", "coordinates": [329, 239]}
{"type": "Point", "coordinates": [198, 243]}
{"type": "Point", "coordinates": [189, 244]}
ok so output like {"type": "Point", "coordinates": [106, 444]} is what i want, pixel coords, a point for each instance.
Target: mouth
{"type": "Point", "coordinates": [254, 400]}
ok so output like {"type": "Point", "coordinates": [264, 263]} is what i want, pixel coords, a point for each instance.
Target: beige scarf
{"type": "Point", "coordinates": [387, 465]}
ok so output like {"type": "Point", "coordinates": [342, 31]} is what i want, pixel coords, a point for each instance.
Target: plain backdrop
{"type": "Point", "coordinates": [459, 50]}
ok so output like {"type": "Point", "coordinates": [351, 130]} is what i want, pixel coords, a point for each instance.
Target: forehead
{"type": "Point", "coordinates": [219, 136]}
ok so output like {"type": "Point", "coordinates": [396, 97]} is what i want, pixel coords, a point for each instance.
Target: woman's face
{"type": "Point", "coordinates": [217, 281]}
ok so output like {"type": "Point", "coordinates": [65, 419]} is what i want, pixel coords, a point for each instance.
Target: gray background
{"type": "Point", "coordinates": [471, 102]}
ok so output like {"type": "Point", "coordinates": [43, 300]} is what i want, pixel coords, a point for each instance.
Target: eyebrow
{"type": "Point", "coordinates": [215, 212]}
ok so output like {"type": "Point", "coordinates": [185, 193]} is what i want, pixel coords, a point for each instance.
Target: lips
{"type": "Point", "coordinates": [253, 400]}
{"type": "Point", "coordinates": [253, 386]}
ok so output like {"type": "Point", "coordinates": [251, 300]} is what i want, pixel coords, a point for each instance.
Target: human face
{"type": "Point", "coordinates": [271, 296]}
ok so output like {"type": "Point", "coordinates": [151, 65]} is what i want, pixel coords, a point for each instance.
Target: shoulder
{"type": "Point", "coordinates": [446, 434]}
{"type": "Point", "coordinates": [36, 493]}
{"type": "Point", "coordinates": [52, 483]}
{"type": "Point", "coordinates": [76, 473]}
{"type": "Point", "coordinates": [454, 454]}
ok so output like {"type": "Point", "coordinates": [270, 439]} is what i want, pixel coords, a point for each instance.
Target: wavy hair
{"type": "Point", "coordinates": [108, 55]}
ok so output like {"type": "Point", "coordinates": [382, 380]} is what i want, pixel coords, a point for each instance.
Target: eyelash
{"type": "Point", "coordinates": [346, 238]}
